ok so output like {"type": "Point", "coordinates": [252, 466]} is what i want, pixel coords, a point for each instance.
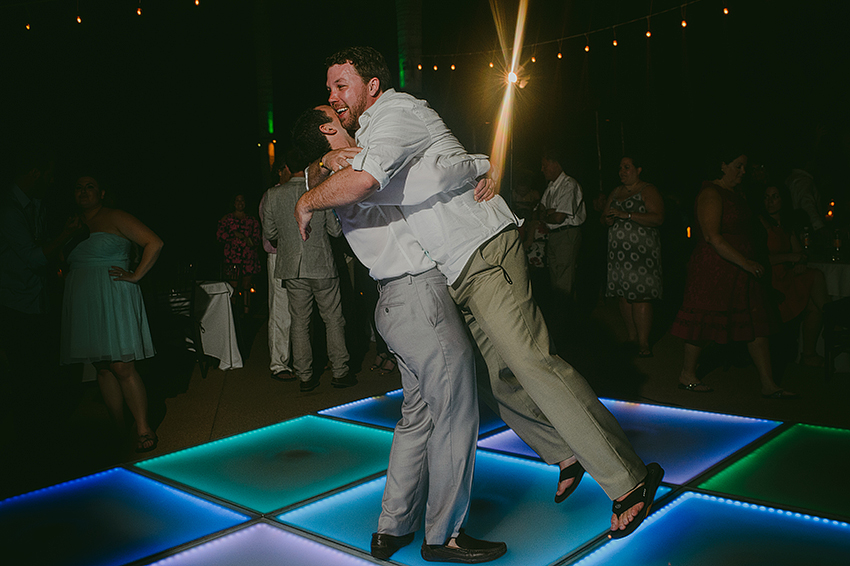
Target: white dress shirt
{"type": "Point", "coordinates": [564, 195]}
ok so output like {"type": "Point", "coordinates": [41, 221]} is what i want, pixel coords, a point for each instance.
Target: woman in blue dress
{"type": "Point", "coordinates": [103, 314]}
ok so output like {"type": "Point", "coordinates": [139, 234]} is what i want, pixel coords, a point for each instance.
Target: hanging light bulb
{"type": "Point", "coordinates": [533, 59]}
{"type": "Point", "coordinates": [614, 43]}
{"type": "Point", "coordinates": [559, 55]}
{"type": "Point", "coordinates": [586, 44]}
{"type": "Point", "coordinates": [648, 33]}
{"type": "Point", "coordinates": [586, 48]}
{"type": "Point", "coordinates": [453, 67]}
{"type": "Point", "coordinates": [684, 24]}
{"type": "Point", "coordinates": [726, 10]}
{"type": "Point", "coordinates": [419, 67]}
{"type": "Point", "coordinates": [28, 26]}
{"type": "Point", "coordinates": [435, 67]}
{"type": "Point", "coordinates": [139, 10]}
{"type": "Point", "coordinates": [491, 64]}
{"type": "Point", "coordinates": [79, 20]}
{"type": "Point", "coordinates": [197, 2]}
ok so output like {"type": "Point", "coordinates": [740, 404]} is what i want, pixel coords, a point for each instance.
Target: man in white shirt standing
{"type": "Point", "coordinates": [433, 450]}
{"type": "Point", "coordinates": [479, 252]}
{"type": "Point", "coordinates": [564, 212]}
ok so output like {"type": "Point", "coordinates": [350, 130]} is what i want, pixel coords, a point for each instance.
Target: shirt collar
{"type": "Point", "coordinates": [367, 115]}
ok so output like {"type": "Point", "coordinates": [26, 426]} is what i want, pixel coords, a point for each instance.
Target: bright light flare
{"type": "Point", "coordinates": [512, 78]}
{"type": "Point", "coordinates": [505, 120]}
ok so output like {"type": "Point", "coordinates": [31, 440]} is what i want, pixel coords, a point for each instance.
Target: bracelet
{"type": "Point", "coordinates": [322, 165]}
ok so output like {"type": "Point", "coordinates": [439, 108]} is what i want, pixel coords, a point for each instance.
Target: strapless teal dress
{"type": "Point", "coordinates": [102, 319]}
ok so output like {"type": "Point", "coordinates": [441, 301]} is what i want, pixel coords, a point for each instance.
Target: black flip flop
{"type": "Point", "coordinates": [645, 494]}
{"type": "Point", "coordinates": [573, 471]}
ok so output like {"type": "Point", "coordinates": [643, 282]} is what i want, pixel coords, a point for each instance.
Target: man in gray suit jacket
{"type": "Point", "coordinates": [309, 272]}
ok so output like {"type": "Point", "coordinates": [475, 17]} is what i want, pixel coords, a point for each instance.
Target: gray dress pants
{"type": "Point", "coordinates": [539, 395]}
{"type": "Point", "coordinates": [326, 293]}
{"type": "Point", "coordinates": [433, 450]}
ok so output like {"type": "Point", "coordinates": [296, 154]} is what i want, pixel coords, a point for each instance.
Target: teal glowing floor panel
{"type": "Point", "coordinates": [262, 545]}
{"type": "Point", "coordinates": [702, 530]}
{"type": "Point", "coordinates": [804, 467]}
{"type": "Point", "coordinates": [273, 467]}
{"type": "Point", "coordinates": [511, 502]}
{"type": "Point", "coordinates": [113, 517]}
{"type": "Point", "coordinates": [684, 442]}
{"type": "Point", "coordinates": [385, 410]}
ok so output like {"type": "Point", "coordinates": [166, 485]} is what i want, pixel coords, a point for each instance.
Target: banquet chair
{"type": "Point", "coordinates": [182, 326]}
{"type": "Point", "coordinates": [836, 332]}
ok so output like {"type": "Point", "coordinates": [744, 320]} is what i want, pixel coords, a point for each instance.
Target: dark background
{"type": "Point", "coordinates": [164, 107]}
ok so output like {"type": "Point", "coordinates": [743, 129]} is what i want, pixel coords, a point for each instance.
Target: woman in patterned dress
{"type": "Point", "coordinates": [633, 212]}
{"type": "Point", "coordinates": [240, 234]}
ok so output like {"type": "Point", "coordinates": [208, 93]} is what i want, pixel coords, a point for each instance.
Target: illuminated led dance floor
{"type": "Point", "coordinates": [307, 492]}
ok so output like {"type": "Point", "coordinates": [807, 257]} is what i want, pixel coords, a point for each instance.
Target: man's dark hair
{"type": "Point", "coordinates": [368, 63]}
{"type": "Point", "coordinates": [306, 137]}
{"type": "Point", "coordinates": [557, 154]}
{"type": "Point", "coordinates": [279, 164]}
{"type": "Point", "coordinates": [296, 161]}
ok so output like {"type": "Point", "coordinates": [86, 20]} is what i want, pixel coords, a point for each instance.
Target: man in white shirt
{"type": "Point", "coordinates": [564, 212]}
{"type": "Point", "coordinates": [479, 252]}
{"type": "Point", "coordinates": [433, 450]}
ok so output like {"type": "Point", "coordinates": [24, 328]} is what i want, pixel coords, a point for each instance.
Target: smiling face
{"type": "Point", "coordinates": [349, 95]}
{"type": "Point", "coordinates": [87, 193]}
{"type": "Point", "coordinates": [334, 131]}
{"type": "Point", "coordinates": [629, 174]}
{"type": "Point", "coordinates": [239, 203]}
{"type": "Point", "coordinates": [734, 172]}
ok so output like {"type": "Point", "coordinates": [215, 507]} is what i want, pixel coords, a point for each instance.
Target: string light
{"type": "Point", "coordinates": [419, 67]}
{"type": "Point", "coordinates": [533, 59]}
{"type": "Point", "coordinates": [453, 67]}
{"type": "Point", "coordinates": [491, 64]}
{"type": "Point", "coordinates": [648, 31]}
{"type": "Point", "coordinates": [435, 67]}
{"type": "Point", "coordinates": [725, 10]}
{"type": "Point", "coordinates": [79, 20]}
{"type": "Point", "coordinates": [614, 43]}
{"type": "Point", "coordinates": [28, 26]}
{"type": "Point", "coordinates": [586, 44]}
{"type": "Point", "coordinates": [197, 2]}
{"type": "Point", "coordinates": [559, 55]}
{"type": "Point", "coordinates": [684, 24]}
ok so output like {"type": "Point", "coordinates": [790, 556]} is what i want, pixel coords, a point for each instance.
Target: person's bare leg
{"type": "Point", "coordinates": [760, 353]}
{"type": "Point", "coordinates": [811, 327]}
{"type": "Point", "coordinates": [642, 313]}
{"type": "Point", "coordinates": [628, 318]}
{"type": "Point", "coordinates": [135, 396]}
{"type": "Point", "coordinates": [689, 367]}
{"type": "Point", "coordinates": [112, 395]}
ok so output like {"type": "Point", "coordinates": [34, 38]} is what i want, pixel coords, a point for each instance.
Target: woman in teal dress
{"type": "Point", "coordinates": [103, 314]}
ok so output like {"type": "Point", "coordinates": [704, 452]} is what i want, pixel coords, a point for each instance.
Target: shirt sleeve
{"type": "Point", "coordinates": [396, 136]}
{"type": "Point", "coordinates": [16, 234]}
{"type": "Point", "coordinates": [269, 226]}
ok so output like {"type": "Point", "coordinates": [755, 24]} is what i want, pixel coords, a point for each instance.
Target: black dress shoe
{"type": "Point", "coordinates": [469, 551]}
{"type": "Point", "coordinates": [384, 545]}
{"type": "Point", "coordinates": [346, 381]}
{"type": "Point", "coordinates": [309, 385]}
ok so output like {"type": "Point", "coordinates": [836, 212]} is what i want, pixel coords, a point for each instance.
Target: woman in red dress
{"type": "Point", "coordinates": [240, 233]}
{"type": "Point", "coordinates": [803, 288]}
{"type": "Point", "coordinates": [724, 301]}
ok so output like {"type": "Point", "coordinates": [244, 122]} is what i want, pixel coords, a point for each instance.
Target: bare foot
{"type": "Point", "coordinates": [619, 522]}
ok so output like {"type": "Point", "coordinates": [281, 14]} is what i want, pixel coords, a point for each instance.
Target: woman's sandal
{"type": "Point", "coordinates": [644, 494]}
{"type": "Point", "coordinates": [145, 438]}
{"type": "Point", "coordinates": [380, 360]}
{"type": "Point", "coordinates": [575, 472]}
{"type": "Point", "coordinates": [389, 365]}
{"type": "Point", "coordinates": [696, 387]}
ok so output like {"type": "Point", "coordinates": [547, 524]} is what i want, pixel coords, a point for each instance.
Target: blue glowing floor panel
{"type": "Point", "coordinates": [113, 517]}
{"type": "Point", "coordinates": [385, 410]}
{"type": "Point", "coordinates": [511, 502]}
{"type": "Point", "coordinates": [702, 530]}
{"type": "Point", "coordinates": [262, 545]}
{"type": "Point", "coordinates": [276, 466]}
{"type": "Point", "coordinates": [684, 442]}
